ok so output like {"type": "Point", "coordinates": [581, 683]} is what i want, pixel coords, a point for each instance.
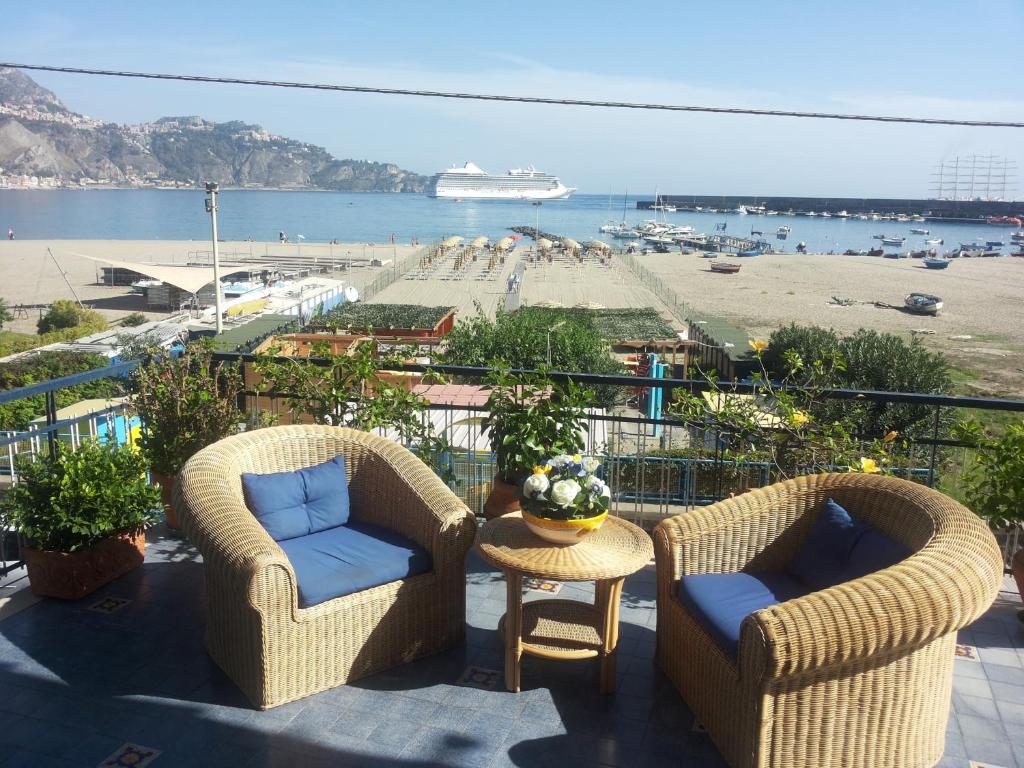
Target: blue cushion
{"type": "Point", "coordinates": [841, 548]}
{"type": "Point", "coordinates": [351, 558]}
{"type": "Point", "coordinates": [291, 504]}
{"type": "Point", "coordinates": [873, 552]}
{"type": "Point", "coordinates": [720, 601]}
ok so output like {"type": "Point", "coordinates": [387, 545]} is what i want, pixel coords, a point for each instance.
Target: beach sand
{"type": "Point", "coordinates": [984, 298]}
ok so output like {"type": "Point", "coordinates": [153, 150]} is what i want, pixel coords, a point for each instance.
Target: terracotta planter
{"type": "Point", "coordinates": [166, 483]}
{"type": "Point", "coordinates": [503, 498]}
{"type": "Point", "coordinates": [1017, 565]}
{"type": "Point", "coordinates": [71, 575]}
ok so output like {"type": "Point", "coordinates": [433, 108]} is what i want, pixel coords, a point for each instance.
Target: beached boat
{"type": "Point", "coordinates": [724, 267]}
{"type": "Point", "coordinates": [853, 252]}
{"type": "Point", "coordinates": [889, 240]}
{"type": "Point", "coordinates": [923, 303]}
{"type": "Point", "coordinates": [896, 255]}
{"type": "Point", "coordinates": [757, 250]}
{"type": "Point", "coordinates": [919, 231]}
{"type": "Point", "coordinates": [709, 255]}
{"type": "Point", "coordinates": [875, 252]}
{"type": "Point", "coordinates": [934, 263]}
{"type": "Point", "coordinates": [994, 243]}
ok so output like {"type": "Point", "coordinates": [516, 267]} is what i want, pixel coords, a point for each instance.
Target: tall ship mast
{"type": "Point", "coordinates": [470, 181]}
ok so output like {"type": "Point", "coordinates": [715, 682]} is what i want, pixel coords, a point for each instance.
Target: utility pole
{"type": "Point", "coordinates": [211, 208]}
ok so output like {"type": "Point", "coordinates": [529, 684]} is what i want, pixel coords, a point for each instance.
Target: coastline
{"type": "Point", "coordinates": [983, 297]}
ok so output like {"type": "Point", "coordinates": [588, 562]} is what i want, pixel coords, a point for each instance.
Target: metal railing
{"type": "Point", "coordinates": [655, 466]}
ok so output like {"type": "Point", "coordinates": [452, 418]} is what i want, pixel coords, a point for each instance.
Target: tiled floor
{"type": "Point", "coordinates": [120, 678]}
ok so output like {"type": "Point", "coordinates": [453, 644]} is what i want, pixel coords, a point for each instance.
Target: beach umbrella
{"type": "Point", "coordinates": [568, 244]}
{"type": "Point", "coordinates": [544, 244]}
{"type": "Point", "coordinates": [503, 244]}
{"type": "Point", "coordinates": [479, 242]}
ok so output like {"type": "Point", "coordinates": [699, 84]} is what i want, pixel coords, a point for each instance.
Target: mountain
{"type": "Point", "coordinates": [41, 137]}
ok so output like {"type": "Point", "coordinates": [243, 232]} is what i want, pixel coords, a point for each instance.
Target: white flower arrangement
{"type": "Point", "coordinates": [566, 488]}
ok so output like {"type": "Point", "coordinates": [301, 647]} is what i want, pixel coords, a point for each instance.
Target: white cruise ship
{"type": "Point", "coordinates": [470, 181]}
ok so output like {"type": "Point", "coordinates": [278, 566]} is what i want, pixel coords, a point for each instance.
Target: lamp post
{"type": "Point", "coordinates": [211, 208]}
{"type": "Point", "coordinates": [554, 327]}
{"type": "Point", "coordinates": [536, 229]}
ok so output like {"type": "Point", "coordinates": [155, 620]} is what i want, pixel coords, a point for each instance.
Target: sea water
{"type": "Point", "coordinates": [157, 214]}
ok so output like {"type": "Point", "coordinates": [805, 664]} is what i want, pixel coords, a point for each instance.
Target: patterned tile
{"type": "Point", "coordinates": [109, 604]}
{"type": "Point", "coordinates": [479, 677]}
{"type": "Point", "coordinates": [131, 756]}
{"type": "Point", "coordinates": [967, 652]}
{"type": "Point", "coordinates": [542, 585]}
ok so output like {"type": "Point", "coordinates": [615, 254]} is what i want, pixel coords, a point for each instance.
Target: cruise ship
{"type": "Point", "coordinates": [470, 181]}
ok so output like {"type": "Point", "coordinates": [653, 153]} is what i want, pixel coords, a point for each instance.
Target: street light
{"type": "Point", "coordinates": [536, 229]}
{"type": "Point", "coordinates": [211, 208]}
{"type": "Point", "coordinates": [554, 327]}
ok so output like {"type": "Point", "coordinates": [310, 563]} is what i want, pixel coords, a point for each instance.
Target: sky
{"type": "Point", "coordinates": [960, 60]}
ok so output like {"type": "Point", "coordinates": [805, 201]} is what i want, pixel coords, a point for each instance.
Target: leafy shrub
{"type": "Point", "coordinates": [185, 404]}
{"type": "Point", "coordinates": [65, 313]}
{"type": "Point", "coordinates": [43, 367]}
{"type": "Point", "coordinates": [133, 320]}
{"type": "Point", "coordinates": [5, 314]}
{"type": "Point", "coordinates": [873, 361]}
{"type": "Point", "coordinates": [73, 501]}
{"type": "Point", "coordinates": [994, 481]}
{"type": "Point", "coordinates": [531, 418]}
{"type": "Point", "coordinates": [520, 340]}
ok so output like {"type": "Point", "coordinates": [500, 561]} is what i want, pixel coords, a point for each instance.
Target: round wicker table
{"type": "Point", "coordinates": [563, 629]}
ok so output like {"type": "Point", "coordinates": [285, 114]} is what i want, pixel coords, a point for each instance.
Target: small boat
{"type": "Point", "coordinates": [757, 250]}
{"type": "Point", "coordinates": [724, 267]}
{"type": "Point", "coordinates": [994, 243]}
{"type": "Point", "coordinates": [933, 241]}
{"type": "Point", "coordinates": [1019, 254]}
{"type": "Point", "coordinates": [875, 252]}
{"type": "Point", "coordinates": [934, 263]}
{"type": "Point", "coordinates": [970, 251]}
{"type": "Point", "coordinates": [895, 255]}
{"type": "Point", "coordinates": [889, 240]}
{"type": "Point", "coordinates": [919, 231]}
{"type": "Point", "coordinates": [923, 304]}
{"type": "Point", "coordinates": [852, 252]}
{"type": "Point", "coordinates": [921, 254]}
{"type": "Point", "coordinates": [709, 255]}
{"type": "Point", "coordinates": [740, 210]}
{"type": "Point", "coordinates": [1017, 237]}
{"type": "Point", "coordinates": [143, 286]}
{"type": "Point", "coordinates": [877, 237]}
{"type": "Point", "coordinates": [990, 254]}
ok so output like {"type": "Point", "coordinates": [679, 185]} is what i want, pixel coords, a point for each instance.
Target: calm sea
{"type": "Point", "coordinates": [322, 216]}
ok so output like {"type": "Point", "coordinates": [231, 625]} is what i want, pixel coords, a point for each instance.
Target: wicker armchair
{"type": "Point", "coordinates": [256, 631]}
{"type": "Point", "coordinates": [859, 674]}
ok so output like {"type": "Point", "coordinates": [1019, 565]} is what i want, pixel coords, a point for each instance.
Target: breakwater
{"type": "Point", "coordinates": [948, 210]}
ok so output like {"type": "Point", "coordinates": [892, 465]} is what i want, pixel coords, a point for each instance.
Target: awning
{"type": "Point", "coordinates": [189, 279]}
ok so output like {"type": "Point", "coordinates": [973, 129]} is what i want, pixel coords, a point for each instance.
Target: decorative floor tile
{"type": "Point", "coordinates": [131, 756]}
{"type": "Point", "coordinates": [109, 604]}
{"type": "Point", "coordinates": [478, 677]}
{"type": "Point", "coordinates": [968, 653]}
{"type": "Point", "coordinates": [542, 585]}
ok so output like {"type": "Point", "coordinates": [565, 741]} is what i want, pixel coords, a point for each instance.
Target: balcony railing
{"type": "Point", "coordinates": [656, 467]}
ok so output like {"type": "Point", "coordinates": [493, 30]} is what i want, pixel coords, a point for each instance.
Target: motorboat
{"type": "Point", "coordinates": [994, 243]}
{"type": "Point", "coordinates": [934, 241]}
{"type": "Point", "coordinates": [889, 240]}
{"type": "Point", "coordinates": [875, 252]}
{"type": "Point", "coordinates": [1017, 237]}
{"type": "Point", "coordinates": [923, 304]}
{"type": "Point", "coordinates": [919, 231]}
{"type": "Point", "coordinates": [757, 250]}
{"type": "Point", "coordinates": [934, 263]}
{"type": "Point", "coordinates": [853, 252]}
{"type": "Point", "coordinates": [724, 267]}
{"type": "Point", "coordinates": [896, 255]}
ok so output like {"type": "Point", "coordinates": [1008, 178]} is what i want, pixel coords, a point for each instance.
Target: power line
{"type": "Point", "coordinates": [520, 99]}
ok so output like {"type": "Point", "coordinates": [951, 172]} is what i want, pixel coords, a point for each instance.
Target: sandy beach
{"type": "Point", "coordinates": [984, 298]}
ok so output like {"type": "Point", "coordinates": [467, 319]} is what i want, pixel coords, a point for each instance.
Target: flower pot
{"type": "Point", "coordinates": [71, 575]}
{"type": "Point", "coordinates": [503, 498]}
{"type": "Point", "coordinates": [166, 483]}
{"type": "Point", "coordinates": [563, 531]}
{"type": "Point", "coordinates": [1017, 565]}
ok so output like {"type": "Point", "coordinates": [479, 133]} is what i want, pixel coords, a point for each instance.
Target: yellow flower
{"type": "Point", "coordinates": [541, 470]}
{"type": "Point", "coordinates": [891, 436]}
{"type": "Point", "coordinates": [798, 418]}
{"type": "Point", "coordinates": [577, 459]}
{"type": "Point", "coordinates": [869, 466]}
{"type": "Point", "coordinates": [758, 345]}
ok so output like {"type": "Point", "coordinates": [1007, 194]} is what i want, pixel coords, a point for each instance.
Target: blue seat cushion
{"type": "Point", "coordinates": [721, 601]}
{"type": "Point", "coordinates": [841, 548]}
{"type": "Point", "coordinates": [350, 558]}
{"type": "Point", "coordinates": [293, 504]}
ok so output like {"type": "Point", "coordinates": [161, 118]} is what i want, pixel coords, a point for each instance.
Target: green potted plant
{"type": "Point", "coordinates": [564, 500]}
{"type": "Point", "coordinates": [994, 482]}
{"type": "Point", "coordinates": [82, 515]}
{"type": "Point", "coordinates": [185, 404]}
{"type": "Point", "coordinates": [529, 419]}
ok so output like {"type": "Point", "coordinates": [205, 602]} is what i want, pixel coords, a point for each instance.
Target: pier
{"type": "Point", "coordinates": [973, 211]}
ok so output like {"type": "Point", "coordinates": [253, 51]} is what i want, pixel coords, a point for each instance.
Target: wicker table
{"type": "Point", "coordinates": [563, 629]}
